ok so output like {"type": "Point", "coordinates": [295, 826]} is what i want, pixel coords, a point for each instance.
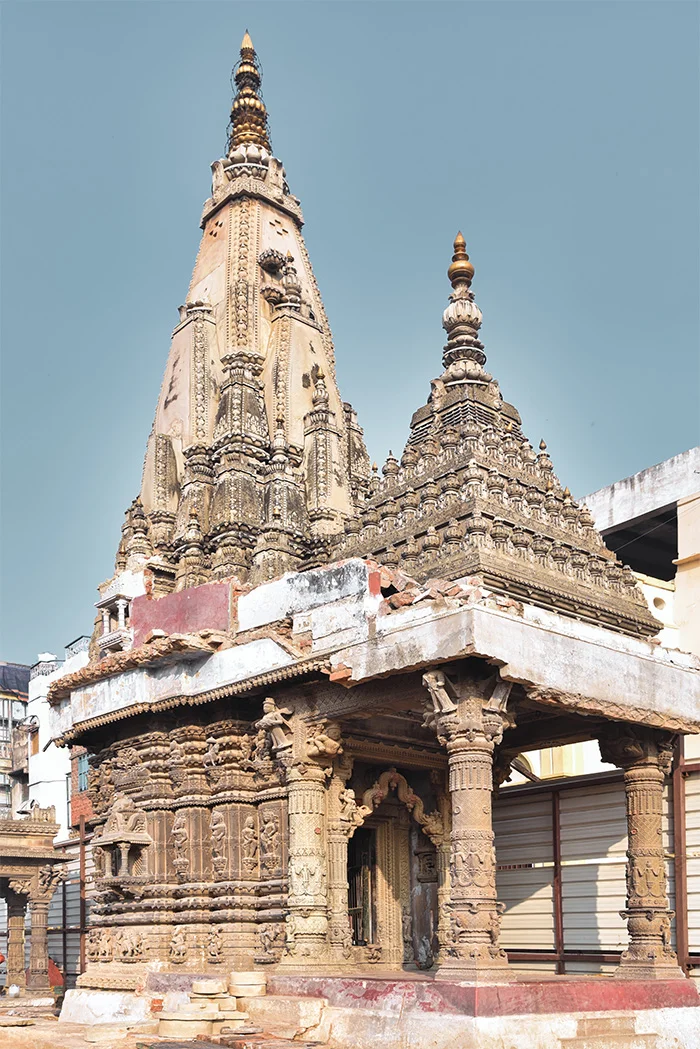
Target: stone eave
{"type": "Point", "coordinates": [549, 655]}
{"type": "Point", "coordinates": [9, 855]}
{"type": "Point", "coordinates": [577, 666]}
{"type": "Point", "coordinates": [154, 653]}
{"type": "Point", "coordinates": [239, 688]}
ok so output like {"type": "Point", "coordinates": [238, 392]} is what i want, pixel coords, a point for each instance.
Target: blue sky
{"type": "Point", "coordinates": [561, 137]}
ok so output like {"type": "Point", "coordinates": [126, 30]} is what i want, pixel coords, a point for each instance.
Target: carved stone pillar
{"type": "Point", "coordinates": [443, 857]}
{"type": "Point", "coordinates": [16, 910]}
{"type": "Point", "coordinates": [341, 808]}
{"type": "Point", "coordinates": [39, 945]}
{"type": "Point", "coordinates": [307, 921]}
{"type": "Point", "coordinates": [470, 731]}
{"type": "Point", "coordinates": [645, 756]}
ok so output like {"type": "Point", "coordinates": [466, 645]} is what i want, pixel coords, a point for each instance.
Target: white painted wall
{"type": "Point", "coordinates": [49, 769]}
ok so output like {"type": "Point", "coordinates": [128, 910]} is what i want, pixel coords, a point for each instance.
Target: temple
{"type": "Point", "coordinates": [308, 680]}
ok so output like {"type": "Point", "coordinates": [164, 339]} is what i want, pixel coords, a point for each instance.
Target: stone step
{"type": "Point", "coordinates": [604, 1024]}
{"type": "Point", "coordinates": [288, 1016]}
{"type": "Point", "coordinates": [264, 1041]}
{"type": "Point", "coordinates": [609, 1032]}
{"type": "Point", "coordinates": [611, 1040]}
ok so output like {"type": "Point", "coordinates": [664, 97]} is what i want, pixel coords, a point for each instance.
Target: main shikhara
{"type": "Point", "coordinates": [307, 678]}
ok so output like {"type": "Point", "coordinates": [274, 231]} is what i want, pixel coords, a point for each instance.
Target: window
{"type": "Point", "coordinates": [83, 767]}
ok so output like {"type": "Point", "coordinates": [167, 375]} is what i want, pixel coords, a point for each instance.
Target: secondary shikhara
{"type": "Point", "coordinates": [308, 678]}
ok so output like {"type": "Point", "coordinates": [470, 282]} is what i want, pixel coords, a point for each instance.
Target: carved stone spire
{"type": "Point", "coordinates": [473, 496]}
{"type": "Point", "coordinates": [248, 112]}
{"type": "Point", "coordinates": [254, 462]}
{"type": "Point", "coordinates": [463, 356]}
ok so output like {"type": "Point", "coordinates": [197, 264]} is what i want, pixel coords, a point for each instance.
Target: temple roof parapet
{"type": "Point", "coordinates": [357, 621]}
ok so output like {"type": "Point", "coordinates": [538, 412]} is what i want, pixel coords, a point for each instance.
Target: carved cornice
{"type": "Point", "coordinates": [239, 688]}
{"type": "Point", "coordinates": [581, 704]}
{"type": "Point", "coordinates": [413, 757]}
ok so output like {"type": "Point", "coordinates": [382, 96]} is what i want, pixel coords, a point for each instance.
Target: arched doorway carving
{"type": "Point", "coordinates": [399, 938]}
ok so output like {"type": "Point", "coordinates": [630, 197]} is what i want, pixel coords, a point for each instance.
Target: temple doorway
{"type": "Point", "coordinates": [362, 886]}
{"type": "Point", "coordinates": [392, 889]}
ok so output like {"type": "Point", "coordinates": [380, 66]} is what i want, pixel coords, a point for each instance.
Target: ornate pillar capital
{"type": "Point", "coordinates": [636, 746]}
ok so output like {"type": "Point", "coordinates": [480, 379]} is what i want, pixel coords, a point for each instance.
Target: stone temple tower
{"type": "Point", "coordinates": [254, 463]}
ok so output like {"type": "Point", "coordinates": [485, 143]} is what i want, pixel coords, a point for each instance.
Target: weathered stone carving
{"type": "Point", "coordinates": [274, 723]}
{"type": "Point", "coordinates": [470, 731]}
{"type": "Point", "coordinates": [177, 949]}
{"type": "Point", "coordinates": [324, 743]}
{"type": "Point", "coordinates": [180, 838]}
{"type": "Point", "coordinates": [270, 842]}
{"type": "Point", "coordinates": [271, 941]}
{"type": "Point", "coordinates": [249, 844]}
{"type": "Point", "coordinates": [128, 945]}
{"type": "Point", "coordinates": [646, 758]}
{"type": "Point", "coordinates": [212, 760]}
{"type": "Point", "coordinates": [215, 946]}
{"type": "Point", "coordinates": [218, 839]}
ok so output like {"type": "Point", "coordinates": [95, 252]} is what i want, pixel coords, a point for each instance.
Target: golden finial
{"type": "Point", "coordinates": [543, 445]}
{"type": "Point", "coordinates": [461, 270]}
{"type": "Point", "coordinates": [248, 113]}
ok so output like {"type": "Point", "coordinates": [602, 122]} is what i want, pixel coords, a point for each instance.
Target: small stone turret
{"type": "Point", "coordinates": [471, 497]}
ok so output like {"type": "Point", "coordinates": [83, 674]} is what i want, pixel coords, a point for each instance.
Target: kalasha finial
{"type": "Point", "coordinates": [248, 112]}
{"type": "Point", "coordinates": [461, 270]}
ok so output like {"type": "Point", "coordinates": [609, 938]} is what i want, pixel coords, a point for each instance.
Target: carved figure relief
{"type": "Point", "coordinates": [407, 934]}
{"type": "Point", "coordinates": [105, 945]}
{"type": "Point", "coordinates": [274, 723]}
{"type": "Point", "coordinates": [270, 842]}
{"type": "Point", "coordinates": [180, 838]}
{"type": "Point", "coordinates": [92, 947]}
{"type": "Point", "coordinates": [217, 829]}
{"type": "Point", "coordinates": [249, 844]}
{"type": "Point", "coordinates": [98, 858]}
{"type": "Point", "coordinates": [270, 936]}
{"type": "Point", "coordinates": [128, 945]}
{"type": "Point", "coordinates": [124, 818]}
{"type": "Point", "coordinates": [212, 761]}
{"type": "Point", "coordinates": [324, 744]}
{"type": "Point", "coordinates": [49, 877]}
{"type": "Point", "coordinates": [176, 763]}
{"type": "Point", "coordinates": [177, 948]}
{"type": "Point", "coordinates": [306, 877]}
{"type": "Point", "coordinates": [215, 945]}
{"type": "Point", "coordinates": [473, 866]}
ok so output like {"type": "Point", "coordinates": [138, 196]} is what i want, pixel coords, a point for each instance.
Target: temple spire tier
{"type": "Point", "coordinates": [254, 461]}
{"type": "Point", "coordinates": [471, 497]}
{"type": "Point", "coordinates": [248, 112]}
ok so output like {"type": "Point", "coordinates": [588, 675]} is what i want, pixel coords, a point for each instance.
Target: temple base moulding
{"type": "Point", "coordinates": [394, 1010]}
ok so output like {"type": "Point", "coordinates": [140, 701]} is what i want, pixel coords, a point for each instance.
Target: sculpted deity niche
{"type": "Point", "coordinates": [180, 837]}
{"type": "Point", "coordinates": [270, 842]}
{"type": "Point", "coordinates": [249, 844]}
{"type": "Point", "coordinates": [217, 828]}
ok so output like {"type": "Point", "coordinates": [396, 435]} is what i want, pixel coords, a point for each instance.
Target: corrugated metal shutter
{"type": "Point", "coordinates": [692, 832]}
{"type": "Point", "coordinates": [523, 829]}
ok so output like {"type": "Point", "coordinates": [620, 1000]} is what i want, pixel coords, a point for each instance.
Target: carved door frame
{"type": "Point", "coordinates": [393, 858]}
